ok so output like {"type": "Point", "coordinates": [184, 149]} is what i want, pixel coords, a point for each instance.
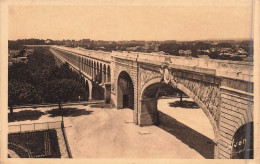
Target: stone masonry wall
{"type": "Point", "coordinates": [236, 110]}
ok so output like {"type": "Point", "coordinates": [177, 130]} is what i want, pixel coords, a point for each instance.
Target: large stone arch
{"type": "Point", "coordinates": [125, 91]}
{"type": "Point", "coordinates": [181, 87]}
{"type": "Point", "coordinates": [236, 112]}
{"type": "Point", "coordinates": [242, 146]}
{"type": "Point", "coordinates": [115, 69]}
{"type": "Point", "coordinates": [149, 105]}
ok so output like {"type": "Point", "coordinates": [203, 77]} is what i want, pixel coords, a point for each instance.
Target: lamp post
{"type": "Point", "coordinates": [181, 98]}
{"type": "Point", "coordinates": [61, 110]}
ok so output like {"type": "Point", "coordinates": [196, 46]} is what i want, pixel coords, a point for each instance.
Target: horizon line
{"type": "Point", "coordinates": [210, 39]}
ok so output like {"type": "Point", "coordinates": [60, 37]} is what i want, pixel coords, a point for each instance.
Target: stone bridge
{"type": "Point", "coordinates": [222, 89]}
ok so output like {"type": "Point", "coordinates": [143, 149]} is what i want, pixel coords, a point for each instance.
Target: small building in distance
{"type": "Point", "coordinates": [185, 52]}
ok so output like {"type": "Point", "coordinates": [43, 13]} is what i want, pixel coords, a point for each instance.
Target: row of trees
{"type": "Point", "coordinates": [40, 80]}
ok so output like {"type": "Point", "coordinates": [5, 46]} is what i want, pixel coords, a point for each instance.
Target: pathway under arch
{"type": "Point", "coordinates": [149, 114]}
{"type": "Point", "coordinates": [125, 91]}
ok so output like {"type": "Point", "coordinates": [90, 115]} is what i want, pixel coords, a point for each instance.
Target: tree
{"type": "Point", "coordinates": [63, 90]}
{"type": "Point", "coordinates": [22, 93]}
{"type": "Point", "coordinates": [171, 48]}
{"type": "Point", "coordinates": [19, 72]}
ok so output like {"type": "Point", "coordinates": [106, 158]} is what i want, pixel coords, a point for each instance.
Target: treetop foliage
{"type": "Point", "coordinates": [40, 80]}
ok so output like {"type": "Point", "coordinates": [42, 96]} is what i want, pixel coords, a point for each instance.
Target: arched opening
{"type": "Point", "coordinates": [97, 92]}
{"type": "Point", "coordinates": [243, 142]}
{"type": "Point", "coordinates": [82, 64]}
{"type": "Point", "coordinates": [104, 74]}
{"type": "Point", "coordinates": [94, 71]}
{"type": "Point", "coordinates": [125, 91]}
{"type": "Point", "coordinates": [177, 113]}
{"type": "Point", "coordinates": [108, 74]}
{"type": "Point", "coordinates": [100, 74]}
{"type": "Point", "coordinates": [86, 66]}
{"type": "Point", "coordinates": [87, 90]}
{"type": "Point", "coordinates": [91, 69]}
{"type": "Point", "coordinates": [97, 73]}
{"type": "Point", "coordinates": [79, 60]}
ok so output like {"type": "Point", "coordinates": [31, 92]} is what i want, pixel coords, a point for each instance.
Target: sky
{"type": "Point", "coordinates": [130, 22]}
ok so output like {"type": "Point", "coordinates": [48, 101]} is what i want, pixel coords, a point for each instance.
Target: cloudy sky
{"type": "Point", "coordinates": [131, 22]}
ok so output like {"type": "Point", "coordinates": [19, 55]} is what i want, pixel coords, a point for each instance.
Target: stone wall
{"type": "Point", "coordinates": [236, 110]}
{"type": "Point", "coordinates": [130, 67]}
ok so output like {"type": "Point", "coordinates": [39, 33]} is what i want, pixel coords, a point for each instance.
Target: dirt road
{"type": "Point", "coordinates": [110, 133]}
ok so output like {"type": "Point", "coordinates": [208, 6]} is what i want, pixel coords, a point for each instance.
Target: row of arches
{"type": "Point", "coordinates": [242, 141]}
{"type": "Point", "coordinates": [97, 70]}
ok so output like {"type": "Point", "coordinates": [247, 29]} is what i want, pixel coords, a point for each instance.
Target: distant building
{"type": "Point", "coordinates": [228, 54]}
{"type": "Point", "coordinates": [242, 52]}
{"type": "Point", "coordinates": [48, 41]}
{"type": "Point", "coordinates": [213, 49]}
{"type": "Point", "coordinates": [185, 52]}
{"type": "Point", "coordinates": [226, 50]}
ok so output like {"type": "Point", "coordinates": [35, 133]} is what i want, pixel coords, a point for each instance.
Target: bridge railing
{"type": "Point", "coordinates": [106, 56]}
{"type": "Point", "coordinates": [235, 69]}
{"type": "Point", "coordinates": [125, 55]}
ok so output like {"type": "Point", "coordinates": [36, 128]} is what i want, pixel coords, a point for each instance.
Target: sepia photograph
{"type": "Point", "coordinates": [128, 80]}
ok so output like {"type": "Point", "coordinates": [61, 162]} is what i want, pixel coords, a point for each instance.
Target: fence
{"type": "Point", "coordinates": [41, 126]}
{"type": "Point", "coordinates": [66, 140]}
{"type": "Point", "coordinates": [34, 127]}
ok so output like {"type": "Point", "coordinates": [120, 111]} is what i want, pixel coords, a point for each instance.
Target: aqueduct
{"type": "Point", "coordinates": [222, 89]}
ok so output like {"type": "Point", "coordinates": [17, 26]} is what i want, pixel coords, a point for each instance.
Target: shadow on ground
{"type": "Point", "coordinates": [102, 105]}
{"type": "Point", "coordinates": [25, 115]}
{"type": "Point", "coordinates": [195, 140]}
{"type": "Point", "coordinates": [68, 112]}
{"type": "Point", "coordinates": [184, 104]}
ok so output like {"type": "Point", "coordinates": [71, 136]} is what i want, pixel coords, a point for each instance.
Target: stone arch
{"type": "Point", "coordinates": [87, 89]}
{"type": "Point", "coordinates": [125, 91]}
{"type": "Point", "coordinates": [104, 73]}
{"type": "Point", "coordinates": [79, 60]}
{"type": "Point", "coordinates": [91, 69]}
{"type": "Point", "coordinates": [100, 76]}
{"type": "Point", "coordinates": [97, 73]}
{"type": "Point", "coordinates": [148, 104]}
{"type": "Point", "coordinates": [88, 67]}
{"type": "Point", "coordinates": [150, 82]}
{"type": "Point", "coordinates": [152, 99]}
{"type": "Point", "coordinates": [242, 145]}
{"type": "Point", "coordinates": [108, 74]}
{"type": "Point", "coordinates": [82, 63]}
{"type": "Point", "coordinates": [94, 71]}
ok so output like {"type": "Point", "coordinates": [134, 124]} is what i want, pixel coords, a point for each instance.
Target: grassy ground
{"type": "Point", "coordinates": [39, 144]}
